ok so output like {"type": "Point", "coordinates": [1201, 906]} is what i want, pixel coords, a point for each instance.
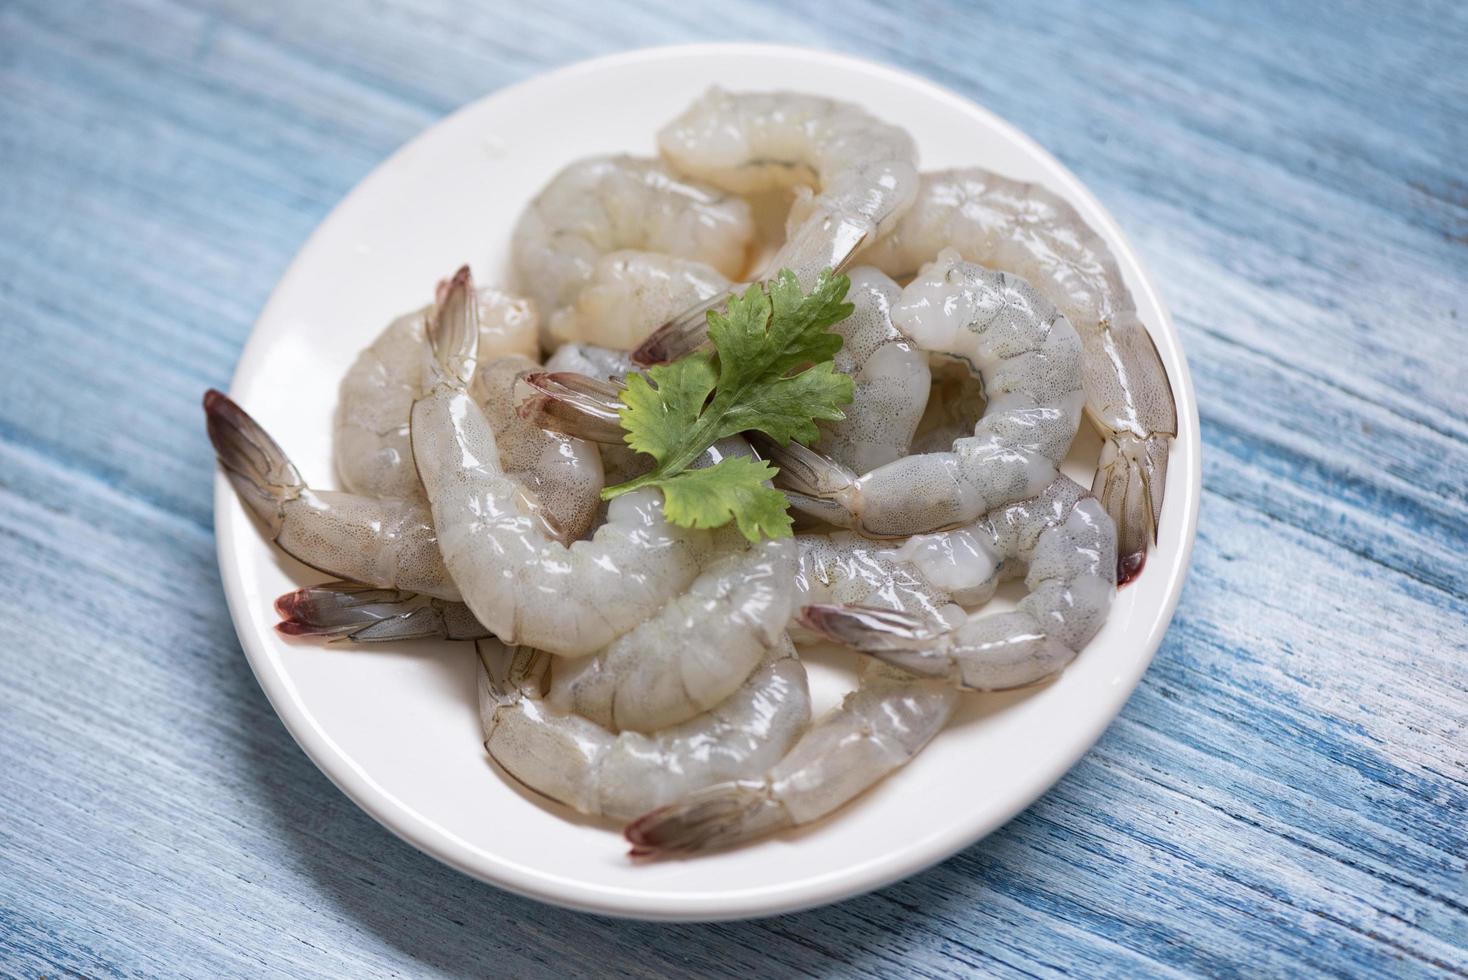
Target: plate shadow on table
{"type": "Point", "coordinates": [443, 918]}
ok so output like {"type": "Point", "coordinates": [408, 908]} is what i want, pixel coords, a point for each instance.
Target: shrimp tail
{"type": "Point", "coordinates": [718, 816]}
{"type": "Point", "coordinates": [898, 638]}
{"type": "Point", "coordinates": [1130, 482]}
{"type": "Point", "coordinates": [684, 334]}
{"type": "Point", "coordinates": [453, 330]}
{"type": "Point", "coordinates": [815, 484]}
{"type": "Point", "coordinates": [366, 614]}
{"type": "Point", "coordinates": [575, 405]}
{"type": "Point", "coordinates": [511, 673]}
{"type": "Point", "coordinates": [259, 469]}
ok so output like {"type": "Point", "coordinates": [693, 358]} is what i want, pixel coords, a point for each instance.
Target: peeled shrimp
{"type": "Point", "coordinates": [630, 293]}
{"type": "Point", "coordinates": [863, 171]}
{"type": "Point", "coordinates": [1068, 544]}
{"type": "Point", "coordinates": [695, 652]}
{"type": "Point", "coordinates": [881, 725]}
{"type": "Point", "coordinates": [371, 435]}
{"type": "Point", "coordinates": [891, 379]}
{"type": "Point", "coordinates": [1029, 359]}
{"type": "Point", "coordinates": [564, 474]}
{"type": "Point", "coordinates": [524, 585]}
{"type": "Point", "coordinates": [581, 764]}
{"type": "Point", "coordinates": [842, 567]}
{"type": "Point", "coordinates": [604, 204]}
{"type": "Point", "coordinates": [1028, 230]}
{"type": "Point", "coordinates": [688, 658]}
{"type": "Point", "coordinates": [383, 542]}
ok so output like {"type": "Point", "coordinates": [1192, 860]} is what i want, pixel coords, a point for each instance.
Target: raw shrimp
{"type": "Point", "coordinates": [366, 614]}
{"type": "Point", "coordinates": [891, 379]}
{"type": "Point", "coordinates": [842, 567]}
{"type": "Point", "coordinates": [695, 652]}
{"type": "Point", "coordinates": [563, 473]}
{"type": "Point", "coordinates": [371, 435]}
{"type": "Point", "coordinates": [581, 764]}
{"type": "Point", "coordinates": [839, 566]}
{"type": "Point", "coordinates": [878, 727]}
{"type": "Point", "coordinates": [384, 542]}
{"type": "Point", "coordinates": [1029, 359]}
{"type": "Point", "coordinates": [864, 172]}
{"type": "Point", "coordinates": [1028, 230]}
{"type": "Point", "coordinates": [1068, 543]}
{"type": "Point", "coordinates": [524, 585]}
{"type": "Point", "coordinates": [604, 204]}
{"type": "Point", "coordinates": [629, 293]}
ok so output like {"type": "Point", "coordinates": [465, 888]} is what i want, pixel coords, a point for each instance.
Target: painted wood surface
{"type": "Point", "coordinates": [1284, 794]}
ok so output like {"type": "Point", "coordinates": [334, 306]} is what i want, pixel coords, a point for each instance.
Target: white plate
{"type": "Point", "coordinates": [397, 729]}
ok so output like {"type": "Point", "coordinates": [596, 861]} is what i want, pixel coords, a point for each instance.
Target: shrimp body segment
{"type": "Point", "coordinates": [695, 652]}
{"type": "Point", "coordinates": [1067, 543]}
{"type": "Point", "coordinates": [605, 204]}
{"type": "Point", "coordinates": [629, 293]}
{"type": "Point", "coordinates": [371, 444]}
{"type": "Point", "coordinates": [562, 473]}
{"type": "Point", "coordinates": [891, 378]}
{"type": "Point", "coordinates": [856, 173]}
{"type": "Point", "coordinates": [1028, 230]}
{"type": "Point", "coordinates": [1029, 358]}
{"type": "Point", "coordinates": [514, 575]}
{"type": "Point", "coordinates": [579, 763]}
{"type": "Point", "coordinates": [881, 725]}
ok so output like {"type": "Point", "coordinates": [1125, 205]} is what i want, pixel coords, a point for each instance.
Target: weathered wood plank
{"type": "Point", "coordinates": [1285, 792]}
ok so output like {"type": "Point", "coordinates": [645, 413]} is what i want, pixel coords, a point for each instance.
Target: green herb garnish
{"type": "Point", "coordinates": [750, 383]}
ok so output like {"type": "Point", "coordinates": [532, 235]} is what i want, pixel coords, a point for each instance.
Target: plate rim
{"type": "Point", "coordinates": [401, 820]}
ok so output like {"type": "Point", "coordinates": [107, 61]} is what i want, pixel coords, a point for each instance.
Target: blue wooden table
{"type": "Point", "coordinates": [1285, 793]}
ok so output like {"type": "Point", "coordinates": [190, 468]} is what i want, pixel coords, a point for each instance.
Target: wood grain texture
{"type": "Point", "coordinates": [1285, 793]}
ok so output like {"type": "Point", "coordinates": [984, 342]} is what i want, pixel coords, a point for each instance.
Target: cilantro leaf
{"type": "Point", "coordinates": [763, 336]}
{"type": "Point", "coordinates": [772, 373]}
{"type": "Point", "coordinates": [656, 418]}
{"type": "Point", "coordinates": [734, 489]}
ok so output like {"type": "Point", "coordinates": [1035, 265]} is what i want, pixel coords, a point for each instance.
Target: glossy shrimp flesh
{"type": "Point", "coordinates": [629, 294]}
{"type": "Point", "coordinates": [583, 765]}
{"type": "Point", "coordinates": [876, 730]}
{"type": "Point", "coordinates": [1028, 230]}
{"type": "Point", "coordinates": [370, 442]}
{"type": "Point", "coordinates": [1068, 543]}
{"type": "Point", "coordinates": [514, 575]}
{"type": "Point", "coordinates": [1064, 542]}
{"type": "Point", "coordinates": [695, 652]}
{"type": "Point", "coordinates": [1029, 359]}
{"type": "Point", "coordinates": [563, 473]}
{"type": "Point", "coordinates": [606, 204]}
{"type": "Point", "coordinates": [845, 568]}
{"type": "Point", "coordinates": [383, 542]}
{"type": "Point", "coordinates": [685, 660]}
{"type": "Point", "coordinates": [862, 172]}
{"type": "Point", "coordinates": [891, 376]}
